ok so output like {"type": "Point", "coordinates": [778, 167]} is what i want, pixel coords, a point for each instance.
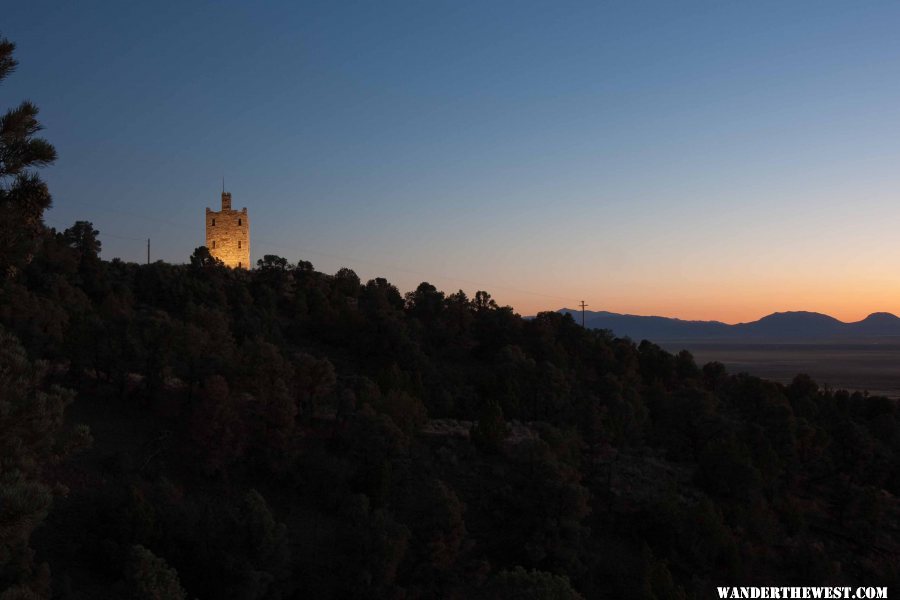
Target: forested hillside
{"type": "Point", "coordinates": [190, 431]}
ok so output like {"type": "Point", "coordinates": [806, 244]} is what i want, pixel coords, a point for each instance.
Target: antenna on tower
{"type": "Point", "coordinates": [583, 305]}
{"type": "Point", "coordinates": [223, 184]}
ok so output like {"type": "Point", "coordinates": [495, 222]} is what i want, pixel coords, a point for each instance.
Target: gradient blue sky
{"type": "Point", "coordinates": [701, 160]}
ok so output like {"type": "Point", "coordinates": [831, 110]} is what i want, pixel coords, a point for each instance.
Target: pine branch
{"type": "Point", "coordinates": [7, 62]}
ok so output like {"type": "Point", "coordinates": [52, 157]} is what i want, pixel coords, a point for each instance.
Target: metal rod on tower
{"type": "Point", "coordinates": [582, 312]}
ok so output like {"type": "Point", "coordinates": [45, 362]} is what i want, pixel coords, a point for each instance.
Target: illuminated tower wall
{"type": "Point", "coordinates": [228, 234]}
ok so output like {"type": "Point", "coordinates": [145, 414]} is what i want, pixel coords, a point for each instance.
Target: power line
{"type": "Point", "coordinates": [351, 259]}
{"type": "Point", "coordinates": [127, 213]}
{"type": "Point", "coordinates": [57, 224]}
{"type": "Point", "coordinates": [300, 251]}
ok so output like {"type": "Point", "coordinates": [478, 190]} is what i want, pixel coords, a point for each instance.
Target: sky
{"type": "Point", "coordinates": [701, 160]}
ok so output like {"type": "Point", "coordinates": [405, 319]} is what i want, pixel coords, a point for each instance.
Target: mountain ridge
{"type": "Point", "coordinates": [777, 326]}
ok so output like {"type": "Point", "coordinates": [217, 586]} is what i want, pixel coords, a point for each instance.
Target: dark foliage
{"type": "Point", "coordinates": [283, 433]}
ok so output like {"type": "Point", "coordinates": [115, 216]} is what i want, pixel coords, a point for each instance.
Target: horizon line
{"type": "Point", "coordinates": [777, 312]}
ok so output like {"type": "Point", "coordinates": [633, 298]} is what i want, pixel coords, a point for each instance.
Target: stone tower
{"type": "Point", "coordinates": [228, 234]}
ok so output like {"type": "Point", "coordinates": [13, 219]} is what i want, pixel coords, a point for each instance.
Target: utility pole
{"type": "Point", "coordinates": [148, 252]}
{"type": "Point", "coordinates": [582, 312]}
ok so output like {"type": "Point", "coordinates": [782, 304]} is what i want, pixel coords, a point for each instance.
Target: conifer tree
{"type": "Point", "coordinates": [23, 196]}
{"type": "Point", "coordinates": [31, 411]}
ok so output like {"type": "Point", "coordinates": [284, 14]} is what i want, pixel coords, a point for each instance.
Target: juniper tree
{"type": "Point", "coordinates": [150, 578]}
{"type": "Point", "coordinates": [31, 420]}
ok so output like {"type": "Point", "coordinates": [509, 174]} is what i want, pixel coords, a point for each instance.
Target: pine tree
{"type": "Point", "coordinates": [23, 196]}
{"type": "Point", "coordinates": [31, 411]}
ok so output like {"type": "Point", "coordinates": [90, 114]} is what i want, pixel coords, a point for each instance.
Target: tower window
{"type": "Point", "coordinates": [239, 244]}
{"type": "Point", "coordinates": [214, 223]}
{"type": "Point", "coordinates": [239, 265]}
{"type": "Point", "coordinates": [239, 222]}
{"type": "Point", "coordinates": [214, 244]}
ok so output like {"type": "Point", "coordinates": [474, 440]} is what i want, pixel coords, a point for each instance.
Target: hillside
{"type": "Point", "coordinates": [284, 433]}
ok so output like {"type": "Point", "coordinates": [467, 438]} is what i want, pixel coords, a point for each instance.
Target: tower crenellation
{"type": "Point", "coordinates": [228, 234]}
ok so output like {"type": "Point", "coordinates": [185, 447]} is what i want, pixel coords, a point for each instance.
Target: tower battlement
{"type": "Point", "coordinates": [228, 234]}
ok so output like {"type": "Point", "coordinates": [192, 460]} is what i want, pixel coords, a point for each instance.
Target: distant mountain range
{"type": "Point", "coordinates": [781, 326]}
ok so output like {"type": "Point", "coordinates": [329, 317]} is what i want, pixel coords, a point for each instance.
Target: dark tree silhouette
{"type": "Point", "coordinates": [23, 196]}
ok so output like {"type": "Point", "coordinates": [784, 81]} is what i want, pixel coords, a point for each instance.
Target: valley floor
{"type": "Point", "coordinates": [872, 367]}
